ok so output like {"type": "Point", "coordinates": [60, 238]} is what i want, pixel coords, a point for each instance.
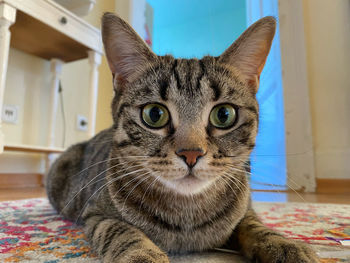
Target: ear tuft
{"type": "Point", "coordinates": [127, 54]}
{"type": "Point", "coordinates": [249, 52]}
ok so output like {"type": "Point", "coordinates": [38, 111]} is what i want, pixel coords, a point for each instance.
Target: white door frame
{"type": "Point", "coordinates": [299, 145]}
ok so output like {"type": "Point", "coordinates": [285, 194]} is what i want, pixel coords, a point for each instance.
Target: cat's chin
{"type": "Point", "coordinates": [187, 185]}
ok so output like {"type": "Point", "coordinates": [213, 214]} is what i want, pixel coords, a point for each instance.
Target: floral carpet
{"type": "Point", "coordinates": [31, 231]}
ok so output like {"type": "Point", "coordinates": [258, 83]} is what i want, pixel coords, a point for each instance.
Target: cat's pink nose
{"type": "Point", "coordinates": [190, 156]}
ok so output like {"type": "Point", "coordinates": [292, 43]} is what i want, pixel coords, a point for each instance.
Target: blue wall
{"type": "Point", "coordinates": [269, 156]}
{"type": "Point", "coordinates": [194, 28]}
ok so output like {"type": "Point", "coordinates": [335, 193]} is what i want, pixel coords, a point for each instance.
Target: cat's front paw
{"type": "Point", "coordinates": [144, 256]}
{"type": "Point", "coordinates": [281, 250]}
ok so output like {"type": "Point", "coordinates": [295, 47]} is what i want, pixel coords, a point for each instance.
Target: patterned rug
{"type": "Point", "coordinates": [31, 231]}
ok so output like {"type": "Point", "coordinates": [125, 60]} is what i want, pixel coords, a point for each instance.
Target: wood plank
{"type": "Point", "coordinates": [20, 180]}
{"type": "Point", "coordinates": [333, 186]}
{"type": "Point", "coordinates": [21, 193]}
{"type": "Point", "coordinates": [32, 149]}
{"type": "Point", "coordinates": [34, 37]}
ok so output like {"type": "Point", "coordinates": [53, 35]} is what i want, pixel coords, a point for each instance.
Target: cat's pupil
{"type": "Point", "coordinates": [223, 114]}
{"type": "Point", "coordinates": [155, 114]}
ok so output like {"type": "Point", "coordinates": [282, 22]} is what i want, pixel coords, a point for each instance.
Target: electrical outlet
{"type": "Point", "coordinates": [10, 114]}
{"type": "Point", "coordinates": [82, 123]}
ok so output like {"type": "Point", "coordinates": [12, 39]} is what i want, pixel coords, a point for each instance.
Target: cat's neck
{"type": "Point", "coordinates": [159, 201]}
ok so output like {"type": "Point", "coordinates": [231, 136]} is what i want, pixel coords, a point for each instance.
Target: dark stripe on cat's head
{"type": "Point", "coordinates": [217, 92]}
{"type": "Point", "coordinates": [163, 89]}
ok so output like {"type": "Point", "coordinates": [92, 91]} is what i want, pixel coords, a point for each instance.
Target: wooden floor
{"type": "Point", "coordinates": [19, 193]}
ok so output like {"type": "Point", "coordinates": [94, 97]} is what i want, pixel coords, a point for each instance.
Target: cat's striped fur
{"type": "Point", "coordinates": [128, 185]}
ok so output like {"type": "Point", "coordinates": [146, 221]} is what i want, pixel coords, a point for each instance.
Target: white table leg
{"type": "Point", "coordinates": [7, 18]}
{"type": "Point", "coordinates": [94, 61]}
{"type": "Point", "coordinates": [56, 70]}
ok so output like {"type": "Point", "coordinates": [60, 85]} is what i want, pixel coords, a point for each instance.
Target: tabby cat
{"type": "Point", "coordinates": [170, 175]}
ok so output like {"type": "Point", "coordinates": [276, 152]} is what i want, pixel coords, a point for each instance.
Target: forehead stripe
{"type": "Point", "coordinates": [201, 74]}
{"type": "Point", "coordinates": [215, 87]}
{"type": "Point", "coordinates": [176, 74]}
{"type": "Point", "coordinates": [163, 89]}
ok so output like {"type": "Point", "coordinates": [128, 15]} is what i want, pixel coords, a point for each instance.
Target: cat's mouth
{"type": "Point", "coordinates": [189, 177]}
{"type": "Point", "coordinates": [188, 184]}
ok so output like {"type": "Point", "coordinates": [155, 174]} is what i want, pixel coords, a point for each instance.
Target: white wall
{"type": "Point", "coordinates": [28, 86]}
{"type": "Point", "coordinates": [327, 32]}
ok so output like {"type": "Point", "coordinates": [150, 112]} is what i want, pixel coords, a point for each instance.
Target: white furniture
{"type": "Point", "coordinates": [78, 7]}
{"type": "Point", "coordinates": [47, 30]}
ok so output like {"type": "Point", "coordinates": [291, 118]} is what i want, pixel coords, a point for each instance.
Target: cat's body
{"type": "Point", "coordinates": [170, 175]}
{"type": "Point", "coordinates": [190, 223]}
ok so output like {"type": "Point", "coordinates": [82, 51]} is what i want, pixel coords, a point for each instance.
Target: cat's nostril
{"type": "Point", "coordinates": [190, 156]}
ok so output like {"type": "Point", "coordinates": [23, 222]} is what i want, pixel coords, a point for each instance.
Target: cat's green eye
{"type": "Point", "coordinates": [155, 115]}
{"type": "Point", "coordinates": [223, 116]}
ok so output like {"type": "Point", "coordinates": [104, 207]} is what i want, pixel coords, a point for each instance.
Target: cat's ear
{"type": "Point", "coordinates": [249, 52]}
{"type": "Point", "coordinates": [127, 54]}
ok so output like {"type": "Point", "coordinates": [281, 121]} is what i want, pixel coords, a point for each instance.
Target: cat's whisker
{"type": "Point", "coordinates": [140, 182]}
{"type": "Point", "coordinates": [75, 195]}
{"type": "Point", "coordinates": [126, 169]}
{"type": "Point", "coordinates": [267, 163]}
{"type": "Point", "coordinates": [101, 188]}
{"type": "Point", "coordinates": [250, 174]}
{"type": "Point", "coordinates": [103, 142]}
{"type": "Point", "coordinates": [87, 201]}
{"type": "Point", "coordinates": [224, 178]}
{"type": "Point", "coordinates": [239, 181]}
{"type": "Point", "coordinates": [234, 168]}
{"type": "Point", "coordinates": [292, 181]}
{"type": "Point", "coordinates": [233, 180]}
{"type": "Point", "coordinates": [275, 185]}
{"type": "Point", "coordinates": [109, 159]}
{"type": "Point", "coordinates": [296, 192]}
{"type": "Point", "coordinates": [89, 183]}
{"type": "Point", "coordinates": [129, 182]}
{"type": "Point", "coordinates": [287, 184]}
{"type": "Point", "coordinates": [246, 186]}
{"type": "Point", "coordinates": [267, 184]}
{"type": "Point", "coordinates": [149, 187]}
{"type": "Point", "coordinates": [271, 155]}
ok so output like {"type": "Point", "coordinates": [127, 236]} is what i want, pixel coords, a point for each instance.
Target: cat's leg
{"type": "Point", "coordinates": [59, 185]}
{"type": "Point", "coordinates": [116, 241]}
{"type": "Point", "coordinates": [261, 244]}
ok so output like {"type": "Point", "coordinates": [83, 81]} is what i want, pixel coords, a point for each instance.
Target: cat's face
{"type": "Point", "coordinates": [195, 120]}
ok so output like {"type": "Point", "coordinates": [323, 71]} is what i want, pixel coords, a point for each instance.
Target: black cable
{"type": "Point", "coordinates": [63, 113]}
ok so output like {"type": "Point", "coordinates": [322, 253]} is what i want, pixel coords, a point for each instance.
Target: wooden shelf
{"type": "Point", "coordinates": [32, 149]}
{"type": "Point", "coordinates": [47, 30]}
{"type": "Point", "coordinates": [31, 36]}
